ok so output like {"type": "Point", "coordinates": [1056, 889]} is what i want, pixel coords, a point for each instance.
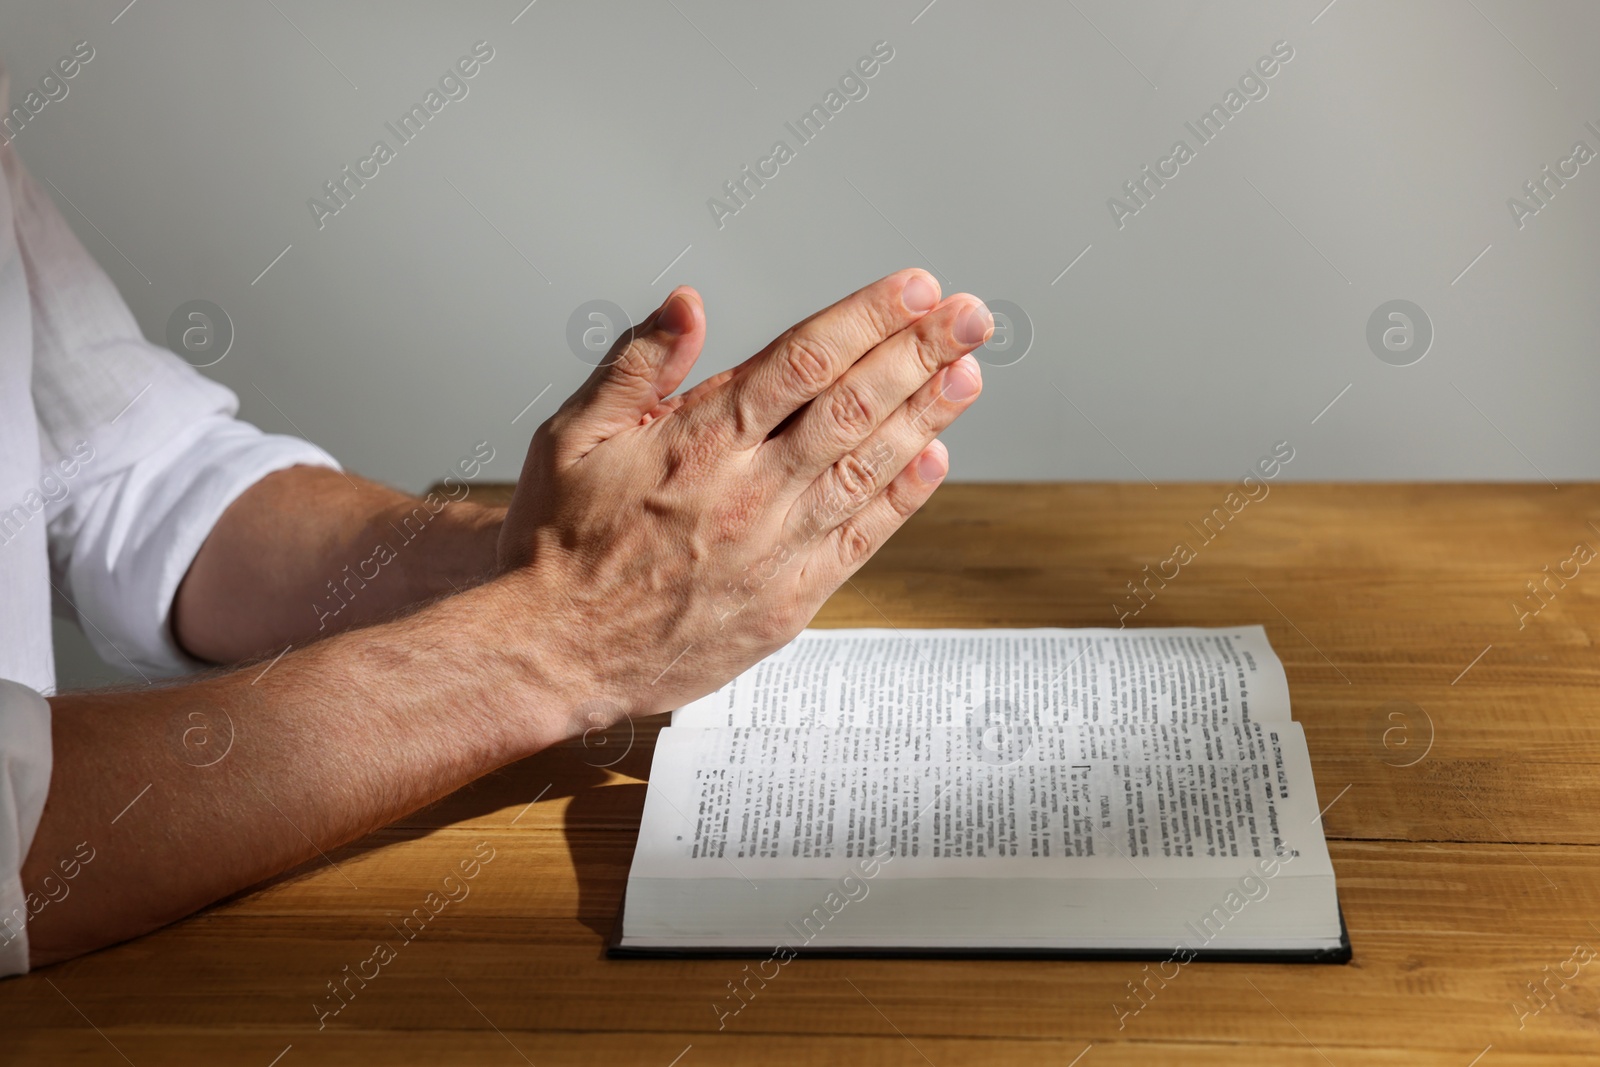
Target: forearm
{"type": "Point", "coordinates": [308, 552]}
{"type": "Point", "coordinates": [326, 745]}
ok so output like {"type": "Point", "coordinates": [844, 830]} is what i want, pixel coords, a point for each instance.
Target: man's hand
{"type": "Point", "coordinates": [681, 540]}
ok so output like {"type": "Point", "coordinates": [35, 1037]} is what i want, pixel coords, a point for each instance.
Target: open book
{"type": "Point", "coordinates": [1137, 793]}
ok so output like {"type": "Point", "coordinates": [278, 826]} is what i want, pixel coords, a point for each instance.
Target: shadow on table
{"type": "Point", "coordinates": [602, 826]}
{"type": "Point", "coordinates": [601, 823]}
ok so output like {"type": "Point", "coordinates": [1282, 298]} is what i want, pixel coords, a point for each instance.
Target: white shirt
{"type": "Point", "coordinates": [116, 460]}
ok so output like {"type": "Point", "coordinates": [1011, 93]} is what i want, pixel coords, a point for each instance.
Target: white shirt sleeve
{"type": "Point", "coordinates": [123, 543]}
{"type": "Point", "coordinates": [24, 779]}
{"type": "Point", "coordinates": [154, 451]}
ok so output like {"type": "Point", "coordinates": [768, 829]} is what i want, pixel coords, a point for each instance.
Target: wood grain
{"type": "Point", "coordinates": [1464, 832]}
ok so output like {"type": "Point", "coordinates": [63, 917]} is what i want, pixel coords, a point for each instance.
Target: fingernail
{"type": "Point", "coordinates": [920, 294]}
{"type": "Point", "coordinates": [974, 324]}
{"type": "Point", "coordinates": [675, 317]}
{"type": "Point", "coordinates": [932, 465]}
{"type": "Point", "coordinates": [962, 380]}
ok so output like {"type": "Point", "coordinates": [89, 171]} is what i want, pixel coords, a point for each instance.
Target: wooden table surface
{"type": "Point", "coordinates": [1455, 741]}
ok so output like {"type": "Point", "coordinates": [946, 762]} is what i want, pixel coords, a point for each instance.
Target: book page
{"type": "Point", "coordinates": [1007, 681]}
{"type": "Point", "coordinates": [786, 803]}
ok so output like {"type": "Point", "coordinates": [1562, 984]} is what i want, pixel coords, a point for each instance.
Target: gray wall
{"type": "Point", "coordinates": [1223, 317]}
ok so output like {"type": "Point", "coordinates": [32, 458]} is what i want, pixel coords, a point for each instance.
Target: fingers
{"type": "Point", "coordinates": [850, 409]}
{"type": "Point", "coordinates": [851, 483]}
{"type": "Point", "coordinates": [842, 552]}
{"type": "Point", "coordinates": [646, 364]}
{"type": "Point", "coordinates": [811, 355]}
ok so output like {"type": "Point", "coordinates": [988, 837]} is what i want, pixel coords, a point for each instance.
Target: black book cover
{"type": "Point", "coordinates": [1339, 954]}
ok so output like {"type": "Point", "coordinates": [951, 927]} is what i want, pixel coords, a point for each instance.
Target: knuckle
{"type": "Point", "coordinates": [857, 479]}
{"type": "Point", "coordinates": [737, 513]}
{"type": "Point", "coordinates": [929, 353]}
{"type": "Point", "coordinates": [882, 318]}
{"type": "Point", "coordinates": [928, 414]}
{"type": "Point", "coordinates": [632, 358]}
{"type": "Point", "coordinates": [710, 435]}
{"type": "Point", "coordinates": [855, 544]}
{"type": "Point", "coordinates": [693, 458]}
{"type": "Point", "coordinates": [904, 502]}
{"type": "Point", "coordinates": [737, 419]}
{"type": "Point", "coordinates": [809, 360]}
{"type": "Point", "coordinates": [850, 412]}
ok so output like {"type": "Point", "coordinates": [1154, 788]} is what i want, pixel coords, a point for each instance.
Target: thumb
{"type": "Point", "coordinates": [646, 365]}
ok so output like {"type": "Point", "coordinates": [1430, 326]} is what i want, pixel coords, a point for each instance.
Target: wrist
{"type": "Point", "coordinates": [528, 668]}
{"type": "Point", "coordinates": [478, 672]}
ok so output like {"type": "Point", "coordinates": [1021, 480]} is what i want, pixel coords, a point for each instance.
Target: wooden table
{"type": "Point", "coordinates": [1455, 742]}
